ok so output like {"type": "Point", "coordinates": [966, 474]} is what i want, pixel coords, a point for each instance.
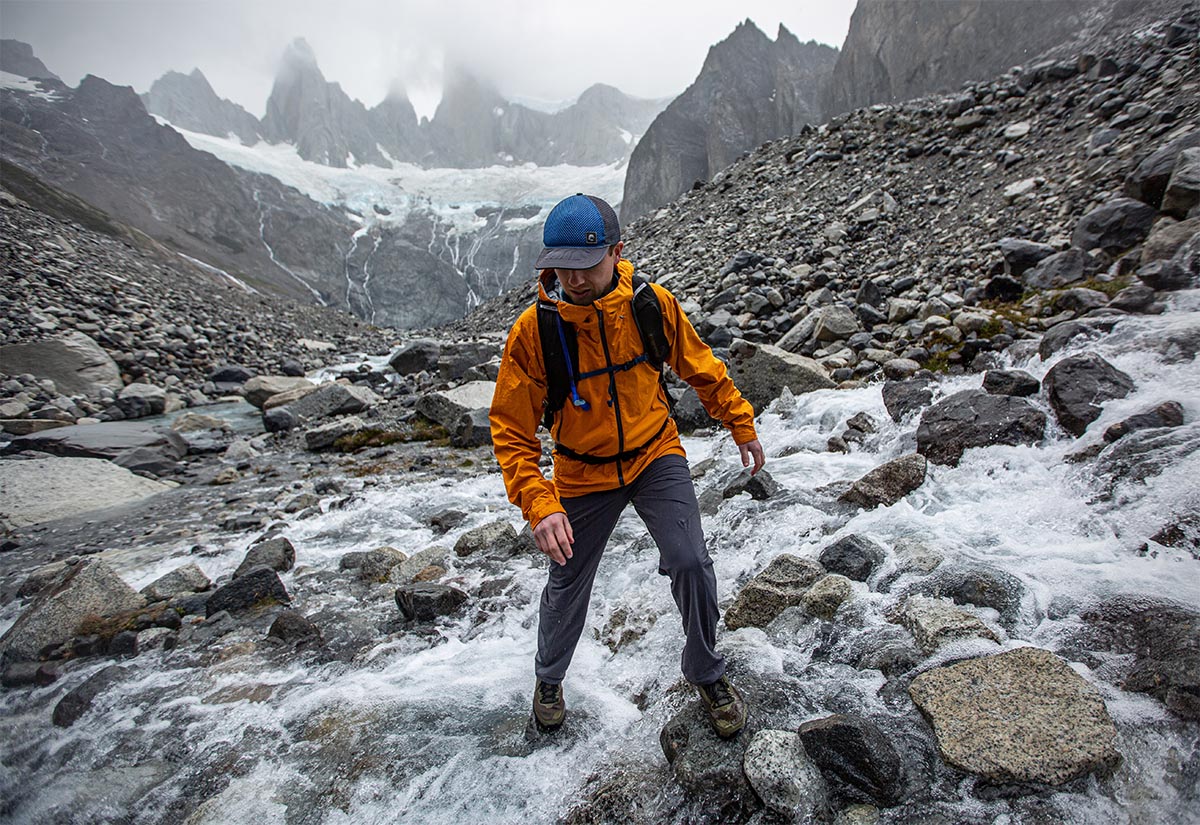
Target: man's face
{"type": "Point", "coordinates": [582, 286]}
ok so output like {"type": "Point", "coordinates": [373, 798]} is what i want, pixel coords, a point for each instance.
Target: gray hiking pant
{"type": "Point", "coordinates": [665, 498]}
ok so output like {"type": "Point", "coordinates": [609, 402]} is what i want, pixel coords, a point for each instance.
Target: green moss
{"type": "Point", "coordinates": [938, 362]}
{"type": "Point", "coordinates": [1109, 288]}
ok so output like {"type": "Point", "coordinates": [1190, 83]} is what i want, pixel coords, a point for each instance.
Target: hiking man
{"type": "Point", "coordinates": [577, 361]}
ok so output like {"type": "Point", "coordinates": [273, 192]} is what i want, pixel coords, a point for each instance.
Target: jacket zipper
{"type": "Point", "coordinates": [612, 394]}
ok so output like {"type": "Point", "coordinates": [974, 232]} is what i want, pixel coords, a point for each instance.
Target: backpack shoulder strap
{"type": "Point", "coordinates": [647, 314]}
{"type": "Point", "coordinates": [558, 373]}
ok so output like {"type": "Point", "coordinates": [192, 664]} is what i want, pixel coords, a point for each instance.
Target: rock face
{"type": "Point", "coordinates": [703, 762]}
{"type": "Point", "coordinates": [749, 90]}
{"type": "Point", "coordinates": [189, 102]}
{"type": "Point", "coordinates": [1021, 716]}
{"type": "Point", "coordinates": [1077, 386]}
{"type": "Point", "coordinates": [973, 418]}
{"type": "Point", "coordinates": [896, 51]}
{"type": "Point", "coordinates": [91, 588]}
{"type": "Point", "coordinates": [253, 587]}
{"type": "Point", "coordinates": [18, 58]}
{"type": "Point", "coordinates": [854, 754]}
{"type": "Point", "coordinates": [75, 363]}
{"type": "Point", "coordinates": [45, 489]}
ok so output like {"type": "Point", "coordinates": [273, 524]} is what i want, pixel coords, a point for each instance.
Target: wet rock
{"type": "Point", "coordinates": [1166, 414]}
{"type": "Point", "coordinates": [327, 435]}
{"type": "Point", "coordinates": [780, 585]}
{"type": "Point", "coordinates": [45, 577]}
{"type": "Point", "coordinates": [497, 538]}
{"type": "Point", "coordinates": [405, 572]}
{"type": "Point", "coordinates": [376, 565]}
{"type": "Point", "coordinates": [277, 553]}
{"type": "Point", "coordinates": [1079, 300]}
{"type": "Point", "coordinates": [280, 419]}
{"type": "Point", "coordinates": [449, 406]}
{"type": "Point", "coordinates": [258, 389]}
{"type": "Point", "coordinates": [1059, 335]}
{"type": "Point", "coordinates": [1165, 276]}
{"type": "Point", "coordinates": [703, 762]}
{"type": "Point", "coordinates": [782, 775]}
{"type": "Point", "coordinates": [1164, 641]}
{"type": "Point", "coordinates": [1060, 269]}
{"type": "Point", "coordinates": [761, 371]}
{"type": "Point", "coordinates": [1020, 716]}
{"type": "Point", "coordinates": [1135, 298]}
{"type": "Point", "coordinates": [903, 398]}
{"type": "Point", "coordinates": [888, 483]}
{"type": "Point", "coordinates": [1076, 386]}
{"type": "Point", "coordinates": [826, 595]}
{"type": "Point", "coordinates": [26, 674]}
{"type": "Point", "coordinates": [258, 586]}
{"type": "Point", "coordinates": [106, 440]}
{"type": "Point", "coordinates": [90, 588]}
{"type": "Point", "coordinates": [429, 573]}
{"type": "Point", "coordinates": [145, 462]}
{"type": "Point", "coordinates": [934, 622]}
{"type": "Point", "coordinates": [230, 377]}
{"type": "Point", "coordinates": [78, 700]}
{"type": "Point", "coordinates": [980, 586]}
{"type": "Point", "coordinates": [124, 644]}
{"type": "Point", "coordinates": [187, 578]}
{"type": "Point", "coordinates": [1010, 382]}
{"type": "Point", "coordinates": [445, 520]}
{"type": "Point", "coordinates": [1143, 454]}
{"type": "Point", "coordinates": [1167, 238]}
{"type": "Point", "coordinates": [855, 557]}
{"type": "Point", "coordinates": [292, 627]}
{"type": "Point", "coordinates": [425, 602]}
{"type": "Point", "coordinates": [974, 418]}
{"type": "Point", "coordinates": [760, 486]}
{"type": "Point", "coordinates": [856, 757]}
{"type": "Point", "coordinates": [326, 401]}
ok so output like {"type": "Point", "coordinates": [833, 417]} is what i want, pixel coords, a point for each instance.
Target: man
{"type": "Point", "coordinates": [615, 443]}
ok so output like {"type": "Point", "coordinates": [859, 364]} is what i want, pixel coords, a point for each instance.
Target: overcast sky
{"type": "Point", "coordinates": [544, 50]}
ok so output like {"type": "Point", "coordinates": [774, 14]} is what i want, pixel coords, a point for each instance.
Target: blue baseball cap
{"type": "Point", "coordinates": [578, 232]}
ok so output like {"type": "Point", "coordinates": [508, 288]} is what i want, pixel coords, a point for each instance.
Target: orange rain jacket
{"type": "Point", "coordinates": [605, 329]}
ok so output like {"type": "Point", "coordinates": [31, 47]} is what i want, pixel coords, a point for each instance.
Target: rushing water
{"type": "Point", "coordinates": [427, 726]}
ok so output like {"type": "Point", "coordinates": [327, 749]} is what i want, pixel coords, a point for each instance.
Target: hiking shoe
{"type": "Point", "coordinates": [726, 707]}
{"type": "Point", "coordinates": [548, 706]}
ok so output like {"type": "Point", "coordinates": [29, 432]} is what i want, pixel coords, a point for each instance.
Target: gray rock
{"type": "Point", "coordinates": [1135, 298]}
{"type": "Point", "coordinates": [1183, 189]}
{"type": "Point", "coordinates": [1167, 237]}
{"type": "Point", "coordinates": [826, 595]}
{"type": "Point", "coordinates": [1079, 300]}
{"type": "Point", "coordinates": [187, 578]}
{"type": "Point", "coordinates": [888, 483]}
{"type": "Point", "coordinates": [280, 419]}
{"type": "Point", "coordinates": [1116, 226]}
{"type": "Point", "coordinates": [278, 554]}
{"type": "Point", "coordinates": [1020, 255]}
{"type": "Point", "coordinates": [258, 586]}
{"type": "Point", "coordinates": [139, 400]}
{"type": "Point", "coordinates": [761, 371]}
{"type": "Point", "coordinates": [903, 398]}
{"type": "Point", "coordinates": [701, 761]}
{"type": "Point", "coordinates": [1148, 181]}
{"type": "Point", "coordinates": [44, 577]}
{"type": "Point", "coordinates": [291, 626]}
{"type": "Point", "coordinates": [899, 369]}
{"type": "Point", "coordinates": [934, 622]}
{"type": "Point", "coordinates": [416, 356]}
{"type": "Point", "coordinates": [1020, 716]}
{"type": "Point", "coordinates": [1060, 269]}
{"type": "Point", "coordinates": [75, 363]}
{"type": "Point", "coordinates": [973, 418]}
{"type": "Point", "coordinates": [978, 585]}
{"type": "Point", "coordinates": [474, 429]}
{"type": "Point", "coordinates": [449, 406]}
{"type": "Point", "coordinates": [856, 757]}
{"type": "Point", "coordinates": [835, 323]}
{"type": "Point", "coordinates": [106, 440]}
{"type": "Point", "coordinates": [855, 557]}
{"type": "Point", "coordinates": [425, 602]}
{"type": "Point", "coordinates": [46, 489]}
{"type": "Point", "coordinates": [144, 461]}
{"type": "Point", "coordinates": [780, 585]}
{"type": "Point", "coordinates": [1166, 414]}
{"type": "Point", "coordinates": [1011, 382]}
{"type": "Point", "coordinates": [689, 413]}
{"type": "Point", "coordinates": [782, 775]}
{"type": "Point", "coordinates": [326, 435]}
{"type": "Point", "coordinates": [496, 538]}
{"type": "Point", "coordinates": [78, 700]}
{"type": "Point", "coordinates": [329, 400]}
{"type": "Point", "coordinates": [403, 573]}
{"type": "Point", "coordinates": [90, 588]}
{"type": "Point", "coordinates": [376, 565]}
{"type": "Point", "coordinates": [1062, 334]}
{"type": "Point", "coordinates": [1078, 385]}
{"type": "Point", "coordinates": [261, 387]}
{"type": "Point", "coordinates": [761, 486]}
{"type": "Point", "coordinates": [1166, 276]}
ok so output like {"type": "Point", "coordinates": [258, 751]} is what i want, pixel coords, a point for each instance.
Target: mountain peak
{"type": "Point", "coordinates": [298, 51]}
{"type": "Point", "coordinates": [17, 57]}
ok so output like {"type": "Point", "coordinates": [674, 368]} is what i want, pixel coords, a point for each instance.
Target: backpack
{"type": "Point", "coordinates": [560, 350]}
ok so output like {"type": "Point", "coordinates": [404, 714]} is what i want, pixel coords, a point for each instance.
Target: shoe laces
{"type": "Point", "coordinates": [718, 693]}
{"type": "Point", "coordinates": [548, 693]}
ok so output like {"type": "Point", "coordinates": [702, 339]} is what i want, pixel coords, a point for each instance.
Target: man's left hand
{"type": "Point", "coordinates": [753, 448]}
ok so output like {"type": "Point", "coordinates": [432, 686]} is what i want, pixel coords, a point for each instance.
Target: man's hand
{"type": "Point", "coordinates": [752, 448]}
{"type": "Point", "coordinates": [553, 535]}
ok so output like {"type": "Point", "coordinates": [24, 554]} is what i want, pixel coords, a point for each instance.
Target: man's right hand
{"type": "Point", "coordinates": [553, 537]}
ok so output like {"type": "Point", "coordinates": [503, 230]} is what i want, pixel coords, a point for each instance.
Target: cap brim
{"type": "Point", "coordinates": [567, 257]}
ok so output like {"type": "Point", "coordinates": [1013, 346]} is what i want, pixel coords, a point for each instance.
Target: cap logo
{"type": "Point", "coordinates": [590, 238]}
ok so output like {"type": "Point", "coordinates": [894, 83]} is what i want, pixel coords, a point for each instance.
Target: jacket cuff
{"type": "Point", "coordinates": [744, 434]}
{"type": "Point", "coordinates": [544, 506]}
